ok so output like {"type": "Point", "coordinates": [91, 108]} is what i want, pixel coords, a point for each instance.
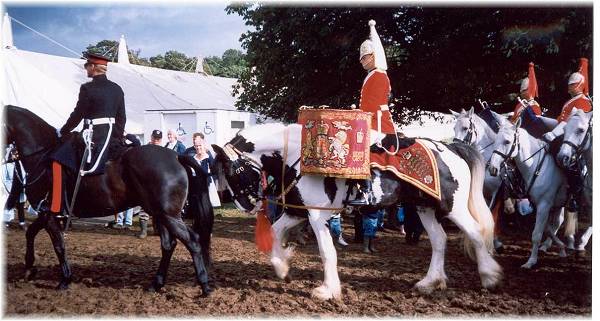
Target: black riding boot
{"type": "Point", "coordinates": [364, 195]}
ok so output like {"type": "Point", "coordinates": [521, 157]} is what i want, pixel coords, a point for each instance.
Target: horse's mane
{"type": "Point", "coordinates": [30, 125]}
{"type": "Point", "coordinates": [26, 113]}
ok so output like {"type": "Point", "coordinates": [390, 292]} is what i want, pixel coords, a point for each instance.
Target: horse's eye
{"type": "Point", "coordinates": [506, 142]}
{"type": "Point", "coordinates": [580, 130]}
{"type": "Point", "coordinates": [465, 128]}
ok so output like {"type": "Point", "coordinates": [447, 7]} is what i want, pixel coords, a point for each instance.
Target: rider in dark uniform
{"type": "Point", "coordinates": [101, 105]}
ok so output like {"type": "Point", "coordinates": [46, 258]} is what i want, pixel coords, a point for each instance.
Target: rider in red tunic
{"type": "Point", "coordinates": [529, 90]}
{"type": "Point", "coordinates": [374, 97]}
{"type": "Point", "coordinates": [579, 90]}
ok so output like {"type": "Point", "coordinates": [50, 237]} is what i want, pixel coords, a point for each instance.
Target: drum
{"type": "Point", "coordinates": [335, 142]}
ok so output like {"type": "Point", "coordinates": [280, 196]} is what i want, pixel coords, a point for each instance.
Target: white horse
{"type": "Point", "coordinates": [577, 143]}
{"type": "Point", "coordinates": [473, 130]}
{"type": "Point", "coordinates": [263, 148]}
{"type": "Point", "coordinates": [547, 191]}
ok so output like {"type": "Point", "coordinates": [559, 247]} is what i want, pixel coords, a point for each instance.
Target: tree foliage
{"type": "Point", "coordinates": [438, 57]}
{"type": "Point", "coordinates": [231, 64]}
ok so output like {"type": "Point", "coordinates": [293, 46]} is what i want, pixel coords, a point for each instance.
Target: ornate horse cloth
{"type": "Point", "coordinates": [335, 142]}
{"type": "Point", "coordinates": [415, 164]}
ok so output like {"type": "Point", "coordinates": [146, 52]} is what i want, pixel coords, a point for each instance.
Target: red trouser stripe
{"type": "Point", "coordinates": [56, 187]}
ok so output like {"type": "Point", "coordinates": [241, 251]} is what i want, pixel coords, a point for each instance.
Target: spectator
{"type": "Point", "coordinates": [335, 227]}
{"type": "Point", "coordinates": [413, 225]}
{"type": "Point", "coordinates": [173, 143]}
{"type": "Point", "coordinates": [124, 220]}
{"type": "Point", "coordinates": [206, 161]}
{"type": "Point", "coordinates": [155, 139]}
{"type": "Point", "coordinates": [369, 226]}
{"type": "Point", "coordinates": [14, 179]}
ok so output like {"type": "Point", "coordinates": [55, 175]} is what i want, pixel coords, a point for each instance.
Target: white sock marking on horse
{"type": "Point", "coordinates": [331, 287]}
{"type": "Point", "coordinates": [279, 255]}
{"type": "Point", "coordinates": [436, 276]}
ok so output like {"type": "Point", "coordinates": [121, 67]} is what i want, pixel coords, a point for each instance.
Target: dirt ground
{"type": "Point", "coordinates": [112, 268]}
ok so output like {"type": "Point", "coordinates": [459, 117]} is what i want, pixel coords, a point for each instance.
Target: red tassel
{"type": "Point", "coordinates": [583, 69]}
{"type": "Point", "coordinates": [532, 90]}
{"type": "Point", "coordinates": [263, 233]}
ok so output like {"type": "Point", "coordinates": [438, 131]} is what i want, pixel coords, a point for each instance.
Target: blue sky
{"type": "Point", "coordinates": [195, 29]}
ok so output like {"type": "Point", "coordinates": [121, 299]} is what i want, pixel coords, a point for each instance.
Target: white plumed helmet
{"type": "Point", "coordinates": [373, 46]}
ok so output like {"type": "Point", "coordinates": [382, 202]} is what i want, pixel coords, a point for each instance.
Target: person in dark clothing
{"type": "Point", "coordinates": [412, 224]}
{"type": "Point", "coordinates": [101, 106]}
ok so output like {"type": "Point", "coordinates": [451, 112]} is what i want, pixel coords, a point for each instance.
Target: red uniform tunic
{"type": "Point", "coordinates": [580, 101]}
{"type": "Point", "coordinates": [519, 109]}
{"type": "Point", "coordinates": [374, 93]}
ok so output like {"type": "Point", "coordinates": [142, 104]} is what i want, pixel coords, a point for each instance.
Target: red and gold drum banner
{"type": "Point", "coordinates": [335, 142]}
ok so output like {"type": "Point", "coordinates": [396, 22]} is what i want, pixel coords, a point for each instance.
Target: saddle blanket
{"type": "Point", "coordinates": [415, 164]}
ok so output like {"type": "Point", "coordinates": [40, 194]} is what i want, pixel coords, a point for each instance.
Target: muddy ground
{"type": "Point", "coordinates": [112, 269]}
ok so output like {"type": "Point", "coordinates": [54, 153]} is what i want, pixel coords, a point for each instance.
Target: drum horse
{"type": "Point", "coordinates": [131, 180]}
{"type": "Point", "coordinates": [272, 150]}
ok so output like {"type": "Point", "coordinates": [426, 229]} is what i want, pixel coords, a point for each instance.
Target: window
{"type": "Point", "coordinates": [237, 124]}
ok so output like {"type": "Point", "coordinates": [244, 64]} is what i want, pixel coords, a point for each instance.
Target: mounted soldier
{"type": "Point", "coordinates": [101, 105]}
{"type": "Point", "coordinates": [579, 90]}
{"type": "Point", "coordinates": [374, 97]}
{"type": "Point", "coordinates": [527, 93]}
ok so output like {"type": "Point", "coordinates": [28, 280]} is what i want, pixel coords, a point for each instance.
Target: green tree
{"type": "Point", "coordinates": [232, 64]}
{"type": "Point", "coordinates": [110, 48]}
{"type": "Point", "coordinates": [438, 58]}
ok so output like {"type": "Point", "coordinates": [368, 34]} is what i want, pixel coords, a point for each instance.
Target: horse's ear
{"type": "Point", "coordinates": [219, 153]}
{"type": "Point", "coordinates": [463, 111]}
{"type": "Point", "coordinates": [455, 114]}
{"type": "Point", "coordinates": [471, 111]}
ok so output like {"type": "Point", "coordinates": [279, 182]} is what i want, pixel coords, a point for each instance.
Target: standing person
{"type": "Point", "coordinates": [578, 88]}
{"type": "Point", "coordinates": [14, 179]}
{"type": "Point", "coordinates": [369, 227]}
{"type": "Point", "coordinates": [335, 227]}
{"type": "Point", "coordinates": [155, 139]}
{"type": "Point", "coordinates": [124, 219]}
{"type": "Point", "coordinates": [173, 143]}
{"type": "Point", "coordinates": [206, 161]}
{"type": "Point", "coordinates": [101, 105]}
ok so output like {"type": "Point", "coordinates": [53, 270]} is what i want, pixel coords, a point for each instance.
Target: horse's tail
{"type": "Point", "coordinates": [477, 206]}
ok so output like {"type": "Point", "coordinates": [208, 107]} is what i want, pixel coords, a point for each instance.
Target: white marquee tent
{"type": "Point", "coordinates": [49, 85]}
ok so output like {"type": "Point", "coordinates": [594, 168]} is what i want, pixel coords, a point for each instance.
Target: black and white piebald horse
{"type": "Point", "coordinates": [461, 170]}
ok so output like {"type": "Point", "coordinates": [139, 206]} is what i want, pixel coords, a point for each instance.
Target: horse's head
{"type": "Point", "coordinates": [465, 129]}
{"type": "Point", "coordinates": [242, 175]}
{"type": "Point", "coordinates": [506, 146]}
{"type": "Point", "coordinates": [27, 131]}
{"type": "Point", "coordinates": [578, 136]}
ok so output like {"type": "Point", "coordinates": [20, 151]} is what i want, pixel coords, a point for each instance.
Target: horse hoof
{"type": "Point", "coordinates": [322, 293]}
{"type": "Point", "coordinates": [287, 279]}
{"type": "Point", "coordinates": [30, 274]}
{"type": "Point", "coordinates": [154, 289]}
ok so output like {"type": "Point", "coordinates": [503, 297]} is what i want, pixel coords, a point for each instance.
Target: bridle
{"type": "Point", "coordinates": [584, 145]}
{"type": "Point", "coordinates": [515, 146]}
{"type": "Point", "coordinates": [242, 161]}
{"type": "Point", "coordinates": [44, 151]}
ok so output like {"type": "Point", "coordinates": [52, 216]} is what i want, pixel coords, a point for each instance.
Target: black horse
{"type": "Point", "coordinates": [150, 176]}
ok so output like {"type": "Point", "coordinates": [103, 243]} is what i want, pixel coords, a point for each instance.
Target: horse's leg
{"type": "Point", "coordinates": [585, 238]}
{"type": "Point", "coordinates": [30, 235]}
{"type": "Point", "coordinates": [280, 255]}
{"type": "Point", "coordinates": [331, 287]}
{"type": "Point", "coordinates": [541, 219]}
{"type": "Point", "coordinates": [167, 247]}
{"type": "Point", "coordinates": [495, 214]}
{"type": "Point", "coordinates": [570, 228]}
{"type": "Point", "coordinates": [191, 240]}
{"type": "Point", "coordinates": [489, 270]}
{"type": "Point", "coordinates": [436, 276]}
{"type": "Point", "coordinates": [554, 224]}
{"type": "Point", "coordinates": [556, 218]}
{"type": "Point", "coordinates": [55, 231]}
